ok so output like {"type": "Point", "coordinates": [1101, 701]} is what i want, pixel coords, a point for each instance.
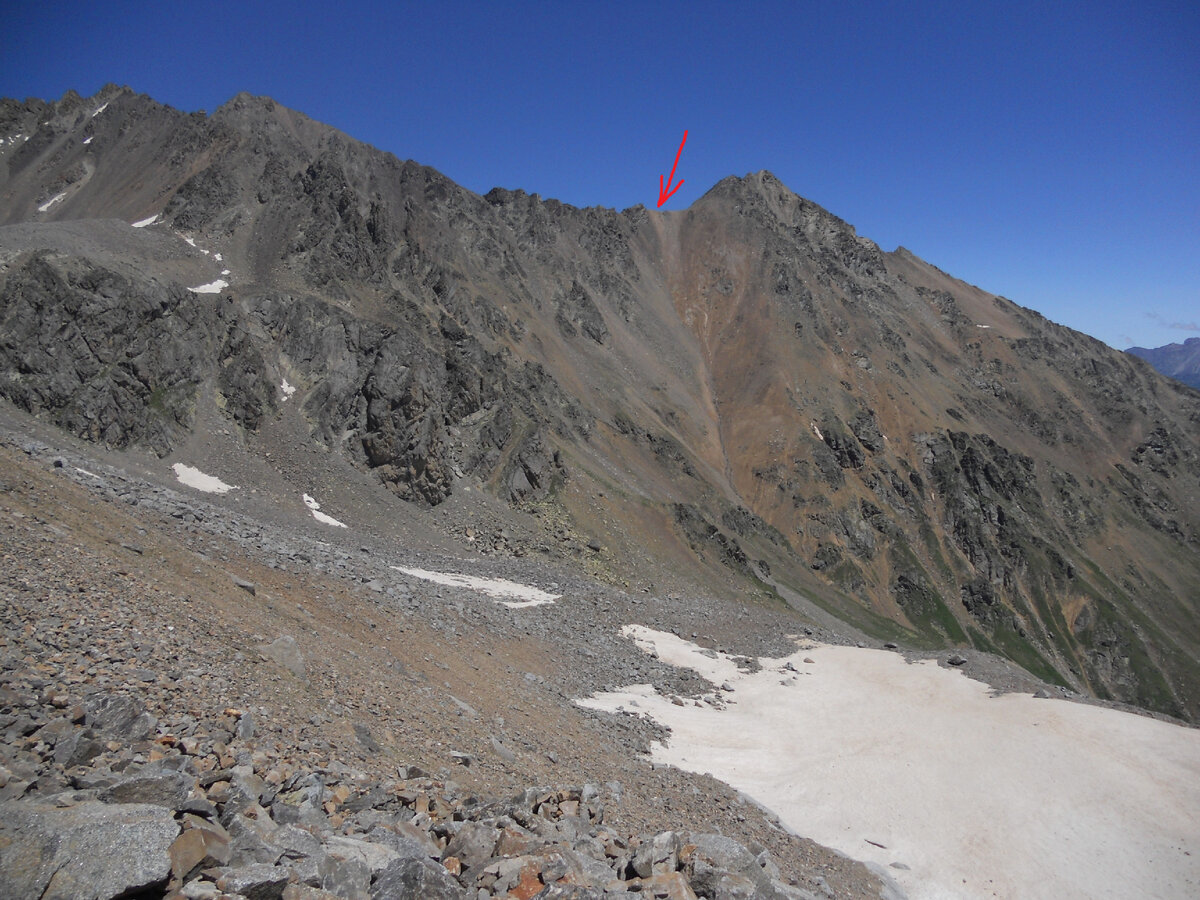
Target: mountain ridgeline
{"type": "Point", "coordinates": [745, 395]}
{"type": "Point", "coordinates": [1179, 361]}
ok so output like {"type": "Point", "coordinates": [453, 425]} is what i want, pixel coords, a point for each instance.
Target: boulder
{"type": "Point", "coordinates": [88, 851]}
{"type": "Point", "coordinates": [408, 878]}
{"type": "Point", "coordinates": [285, 651]}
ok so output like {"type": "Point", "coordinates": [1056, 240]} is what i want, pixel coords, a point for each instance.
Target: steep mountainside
{"type": "Point", "coordinates": [1180, 361]}
{"type": "Point", "coordinates": [745, 395]}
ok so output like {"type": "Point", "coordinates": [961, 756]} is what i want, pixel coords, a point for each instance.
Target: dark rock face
{"type": "Point", "coordinates": [913, 447]}
{"type": "Point", "coordinates": [109, 359]}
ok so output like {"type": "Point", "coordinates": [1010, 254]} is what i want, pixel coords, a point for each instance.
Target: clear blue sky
{"type": "Point", "coordinates": [1046, 151]}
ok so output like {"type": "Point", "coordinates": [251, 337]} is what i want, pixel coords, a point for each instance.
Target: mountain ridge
{"type": "Point", "coordinates": [1178, 361]}
{"type": "Point", "coordinates": [746, 388]}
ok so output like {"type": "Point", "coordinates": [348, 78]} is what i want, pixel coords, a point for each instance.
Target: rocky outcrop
{"type": "Point", "coordinates": [105, 357]}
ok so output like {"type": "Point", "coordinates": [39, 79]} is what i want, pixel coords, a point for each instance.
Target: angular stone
{"type": "Point", "coordinates": [406, 840]}
{"type": "Point", "coordinates": [529, 885]}
{"type": "Point", "coordinates": [658, 855]}
{"type": "Point", "coordinates": [118, 718]}
{"type": "Point", "coordinates": [286, 652]}
{"type": "Point", "coordinates": [408, 878]}
{"type": "Point", "coordinates": [168, 789]}
{"type": "Point", "coordinates": [376, 857]}
{"type": "Point", "coordinates": [78, 748]}
{"type": "Point", "coordinates": [90, 850]}
{"type": "Point", "coordinates": [473, 845]}
{"type": "Point", "coordinates": [255, 882]}
{"type": "Point", "coordinates": [251, 841]}
{"type": "Point", "coordinates": [247, 586]}
{"type": "Point", "coordinates": [514, 841]}
{"type": "Point", "coordinates": [348, 878]}
{"type": "Point", "coordinates": [198, 848]}
{"type": "Point", "coordinates": [296, 843]}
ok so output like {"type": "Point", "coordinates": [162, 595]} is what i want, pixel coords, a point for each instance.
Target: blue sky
{"type": "Point", "coordinates": [1047, 151]}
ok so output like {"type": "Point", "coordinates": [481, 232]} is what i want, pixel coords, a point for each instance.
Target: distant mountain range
{"type": "Point", "coordinates": [1179, 361]}
{"type": "Point", "coordinates": [745, 396]}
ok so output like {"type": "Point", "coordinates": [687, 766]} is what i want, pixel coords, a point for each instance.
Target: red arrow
{"type": "Point", "coordinates": [664, 193]}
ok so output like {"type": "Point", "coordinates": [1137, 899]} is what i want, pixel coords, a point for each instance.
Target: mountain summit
{"type": "Point", "coordinates": [745, 397]}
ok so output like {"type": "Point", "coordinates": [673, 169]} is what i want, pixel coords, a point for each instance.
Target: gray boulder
{"type": "Point", "coordinates": [119, 718]}
{"type": "Point", "coordinates": [408, 878]}
{"type": "Point", "coordinates": [169, 789]}
{"type": "Point", "coordinates": [255, 882]}
{"type": "Point", "coordinates": [285, 652]}
{"type": "Point", "coordinates": [89, 851]}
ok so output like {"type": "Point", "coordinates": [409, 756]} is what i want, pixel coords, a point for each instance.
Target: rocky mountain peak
{"type": "Point", "coordinates": [749, 390]}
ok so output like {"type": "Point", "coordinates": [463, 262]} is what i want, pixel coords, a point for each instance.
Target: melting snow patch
{"type": "Point", "coordinates": [522, 595]}
{"type": "Point", "coordinates": [100, 110]}
{"type": "Point", "coordinates": [973, 795]}
{"type": "Point", "coordinates": [315, 508]}
{"type": "Point", "coordinates": [49, 203]}
{"type": "Point", "coordinates": [196, 479]}
{"type": "Point", "coordinates": [213, 287]}
{"type": "Point", "coordinates": [983, 326]}
{"type": "Point", "coordinates": [87, 141]}
{"type": "Point", "coordinates": [144, 222]}
{"type": "Point", "coordinates": [288, 389]}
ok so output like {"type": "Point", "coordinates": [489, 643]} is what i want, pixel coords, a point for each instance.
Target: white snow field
{"type": "Point", "coordinates": [49, 203]}
{"type": "Point", "coordinates": [924, 775]}
{"type": "Point", "coordinates": [315, 508]}
{"type": "Point", "coordinates": [142, 223]}
{"type": "Point", "coordinates": [194, 478]}
{"type": "Point", "coordinates": [521, 595]}
{"type": "Point", "coordinates": [213, 287]}
{"type": "Point", "coordinates": [287, 389]}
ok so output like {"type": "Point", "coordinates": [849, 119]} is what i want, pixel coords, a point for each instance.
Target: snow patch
{"type": "Point", "coordinates": [144, 222]}
{"type": "Point", "coordinates": [100, 110]}
{"type": "Point", "coordinates": [315, 508]}
{"type": "Point", "coordinates": [87, 141]}
{"type": "Point", "coordinates": [213, 287]}
{"type": "Point", "coordinates": [49, 203]}
{"type": "Point", "coordinates": [977, 795]}
{"type": "Point", "coordinates": [194, 478]}
{"type": "Point", "coordinates": [983, 326]}
{"type": "Point", "coordinates": [817, 431]}
{"type": "Point", "coordinates": [522, 594]}
{"type": "Point", "coordinates": [288, 389]}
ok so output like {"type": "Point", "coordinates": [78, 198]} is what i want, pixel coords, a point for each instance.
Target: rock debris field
{"type": "Point", "coordinates": [197, 704]}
